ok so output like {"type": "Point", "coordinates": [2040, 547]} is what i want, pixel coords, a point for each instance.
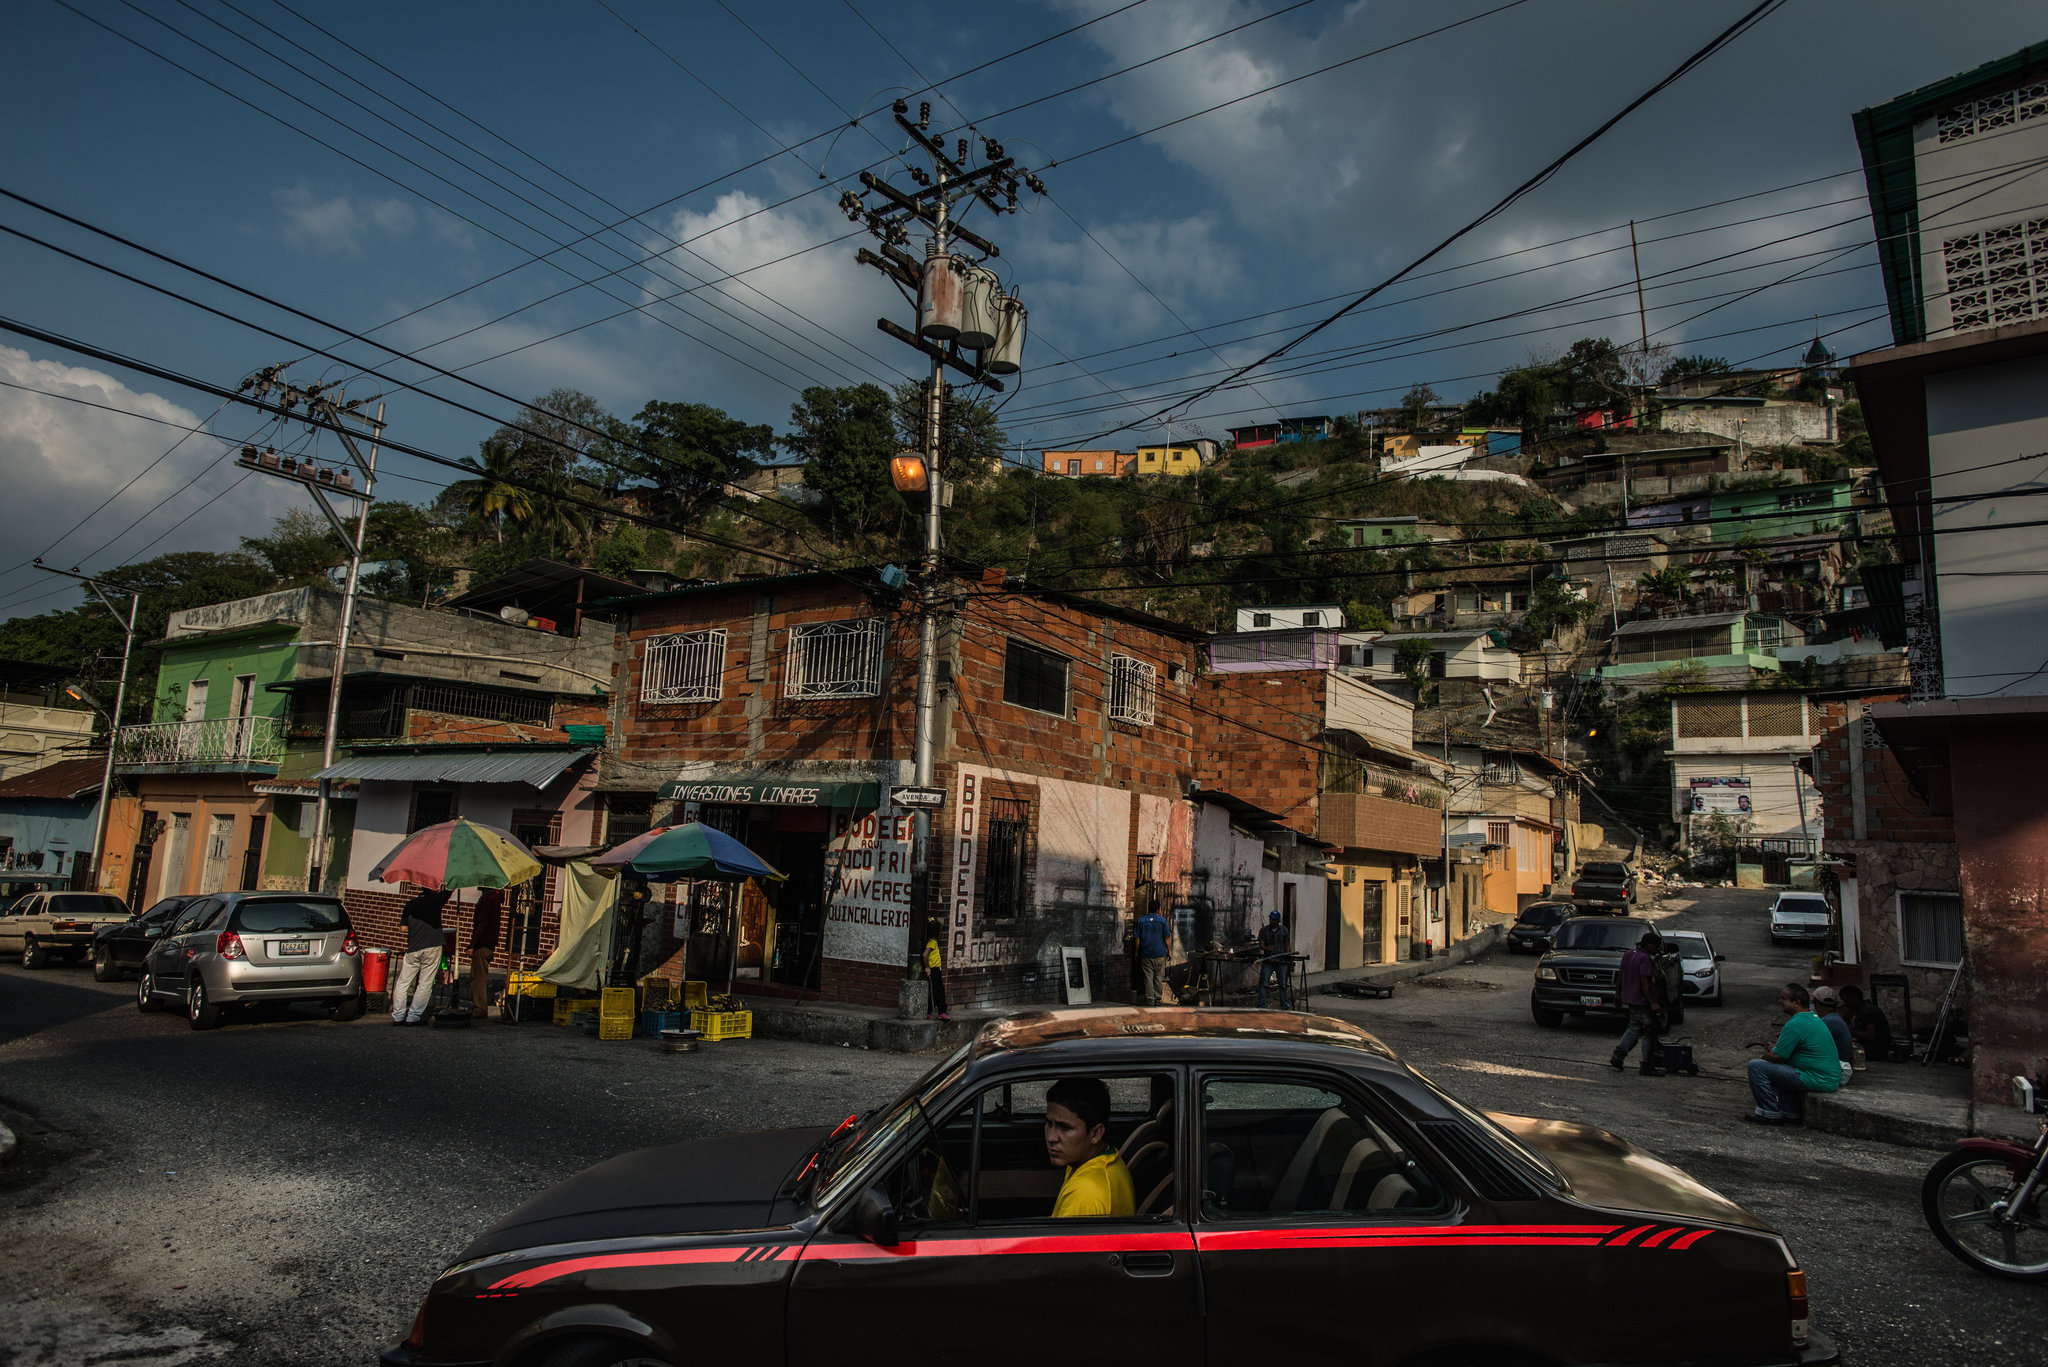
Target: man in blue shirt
{"type": "Point", "coordinates": [1803, 1060]}
{"type": "Point", "coordinates": [1154, 945]}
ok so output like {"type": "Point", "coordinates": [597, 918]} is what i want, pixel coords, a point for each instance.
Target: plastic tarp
{"type": "Point", "coordinates": [588, 897]}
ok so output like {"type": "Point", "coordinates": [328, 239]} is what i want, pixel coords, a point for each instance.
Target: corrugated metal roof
{"type": "Point", "coordinates": [1711, 619]}
{"type": "Point", "coordinates": [496, 766]}
{"type": "Point", "coordinates": [67, 778]}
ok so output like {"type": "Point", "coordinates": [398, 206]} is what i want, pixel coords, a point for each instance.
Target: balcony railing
{"type": "Point", "coordinates": [224, 741]}
{"type": "Point", "coordinates": [1347, 774]}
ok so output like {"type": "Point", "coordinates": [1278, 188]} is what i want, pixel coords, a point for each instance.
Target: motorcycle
{"type": "Point", "coordinates": [1988, 1201]}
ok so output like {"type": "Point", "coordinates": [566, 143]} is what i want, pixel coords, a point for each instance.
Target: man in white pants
{"type": "Point", "coordinates": [424, 943]}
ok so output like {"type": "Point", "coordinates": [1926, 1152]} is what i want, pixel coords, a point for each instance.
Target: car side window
{"type": "Point", "coordinates": [196, 916]}
{"type": "Point", "coordinates": [1284, 1146]}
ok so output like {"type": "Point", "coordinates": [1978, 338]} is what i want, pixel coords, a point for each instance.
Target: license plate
{"type": "Point", "coordinates": [290, 947]}
{"type": "Point", "coordinates": [1589, 1001]}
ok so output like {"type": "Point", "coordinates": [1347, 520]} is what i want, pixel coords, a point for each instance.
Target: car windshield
{"type": "Point", "coordinates": [1547, 914]}
{"type": "Point", "coordinates": [1606, 872]}
{"type": "Point", "coordinates": [165, 909]}
{"type": "Point", "coordinates": [87, 904]}
{"type": "Point", "coordinates": [1598, 934]}
{"type": "Point", "coordinates": [309, 916]}
{"type": "Point", "coordinates": [1805, 906]}
{"type": "Point", "coordinates": [1690, 946]}
{"type": "Point", "coordinates": [875, 1133]}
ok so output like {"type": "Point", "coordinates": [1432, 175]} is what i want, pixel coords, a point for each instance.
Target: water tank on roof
{"type": "Point", "coordinates": [516, 616]}
{"type": "Point", "coordinates": [1006, 357]}
{"type": "Point", "coordinates": [939, 297]}
{"type": "Point", "coordinates": [979, 291]}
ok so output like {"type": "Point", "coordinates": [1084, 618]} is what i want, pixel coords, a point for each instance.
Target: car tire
{"type": "Point", "coordinates": [1545, 1016]}
{"type": "Point", "coordinates": [202, 1012]}
{"type": "Point", "coordinates": [145, 992]}
{"type": "Point", "coordinates": [33, 955]}
{"type": "Point", "coordinates": [348, 1009]}
{"type": "Point", "coordinates": [104, 969]}
{"type": "Point", "coordinates": [601, 1352]}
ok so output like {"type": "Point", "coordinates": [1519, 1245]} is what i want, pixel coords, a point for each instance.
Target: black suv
{"type": "Point", "coordinates": [1604, 883]}
{"type": "Point", "coordinates": [1532, 929]}
{"type": "Point", "coordinates": [1577, 976]}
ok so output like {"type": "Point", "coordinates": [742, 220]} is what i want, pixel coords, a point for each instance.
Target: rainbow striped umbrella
{"type": "Point", "coordinates": [691, 850]}
{"type": "Point", "coordinates": [458, 854]}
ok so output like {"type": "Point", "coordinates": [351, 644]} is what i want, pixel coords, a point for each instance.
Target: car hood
{"type": "Point", "coordinates": [700, 1185]}
{"type": "Point", "coordinates": [1609, 1172]}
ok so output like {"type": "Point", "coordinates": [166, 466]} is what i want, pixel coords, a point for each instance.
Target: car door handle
{"type": "Point", "coordinates": [1148, 1264]}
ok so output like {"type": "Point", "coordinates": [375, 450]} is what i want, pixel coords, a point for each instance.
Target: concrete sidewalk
{"type": "Point", "coordinates": [1904, 1103]}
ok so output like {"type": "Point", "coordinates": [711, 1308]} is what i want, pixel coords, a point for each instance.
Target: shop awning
{"type": "Point", "coordinates": [536, 769]}
{"type": "Point", "coordinates": [301, 787]}
{"type": "Point", "coordinates": [772, 790]}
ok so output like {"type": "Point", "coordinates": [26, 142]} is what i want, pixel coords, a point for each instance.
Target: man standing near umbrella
{"type": "Point", "coordinates": [424, 942]}
{"type": "Point", "coordinates": [483, 943]}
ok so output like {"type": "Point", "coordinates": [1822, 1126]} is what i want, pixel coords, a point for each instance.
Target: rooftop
{"type": "Point", "coordinates": [1038, 1028]}
{"type": "Point", "coordinates": [68, 778]}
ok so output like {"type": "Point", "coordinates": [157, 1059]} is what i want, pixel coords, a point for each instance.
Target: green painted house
{"type": "Point", "coordinates": [1783, 510]}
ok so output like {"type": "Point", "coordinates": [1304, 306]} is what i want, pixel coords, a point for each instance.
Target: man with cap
{"type": "Point", "coordinates": [1827, 1004]}
{"type": "Point", "coordinates": [1636, 986]}
{"type": "Point", "coordinates": [1273, 964]}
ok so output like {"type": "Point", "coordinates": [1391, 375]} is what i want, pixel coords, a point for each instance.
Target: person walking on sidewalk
{"type": "Point", "coordinates": [1154, 944]}
{"type": "Point", "coordinates": [1274, 966]}
{"type": "Point", "coordinates": [424, 942]}
{"type": "Point", "coordinates": [935, 974]}
{"type": "Point", "coordinates": [1637, 986]}
{"type": "Point", "coordinates": [1803, 1060]}
{"type": "Point", "coordinates": [483, 943]}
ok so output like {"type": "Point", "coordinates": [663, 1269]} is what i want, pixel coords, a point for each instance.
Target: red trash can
{"type": "Point", "coordinates": [376, 969]}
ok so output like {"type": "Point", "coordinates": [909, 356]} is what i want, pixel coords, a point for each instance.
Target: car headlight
{"type": "Point", "coordinates": [1547, 972]}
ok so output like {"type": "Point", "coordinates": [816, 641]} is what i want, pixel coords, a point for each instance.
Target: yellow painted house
{"type": "Point", "coordinates": [1174, 459]}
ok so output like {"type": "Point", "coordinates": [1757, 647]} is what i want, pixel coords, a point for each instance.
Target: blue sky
{"type": "Point", "coordinates": [622, 128]}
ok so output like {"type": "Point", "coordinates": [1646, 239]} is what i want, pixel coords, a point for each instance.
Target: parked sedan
{"type": "Point", "coordinates": [1538, 921]}
{"type": "Point", "coordinates": [1699, 964]}
{"type": "Point", "coordinates": [241, 948]}
{"type": "Point", "coordinates": [117, 950]}
{"type": "Point", "coordinates": [1801, 918]}
{"type": "Point", "coordinates": [1292, 1184]}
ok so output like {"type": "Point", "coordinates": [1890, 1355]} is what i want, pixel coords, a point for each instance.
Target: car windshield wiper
{"type": "Point", "coordinates": [815, 1161]}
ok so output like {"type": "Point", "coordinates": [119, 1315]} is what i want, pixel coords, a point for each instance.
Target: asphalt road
{"type": "Point", "coordinates": [281, 1192]}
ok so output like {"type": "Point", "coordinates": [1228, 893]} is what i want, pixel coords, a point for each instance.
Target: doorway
{"type": "Point", "coordinates": [252, 857]}
{"type": "Point", "coordinates": [145, 855]}
{"type": "Point", "coordinates": [1369, 920]}
{"type": "Point", "coordinates": [796, 952]}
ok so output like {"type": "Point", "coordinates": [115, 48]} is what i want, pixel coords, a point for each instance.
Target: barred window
{"type": "Point", "coordinates": [1930, 929]}
{"type": "Point", "coordinates": [1133, 685]}
{"type": "Point", "coordinates": [834, 660]}
{"type": "Point", "coordinates": [1006, 869]}
{"type": "Point", "coordinates": [686, 667]}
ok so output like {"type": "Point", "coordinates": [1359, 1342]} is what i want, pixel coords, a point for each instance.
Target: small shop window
{"type": "Point", "coordinates": [627, 815]}
{"type": "Point", "coordinates": [1005, 873]}
{"type": "Point", "coordinates": [1035, 678]}
{"type": "Point", "coordinates": [430, 807]}
{"type": "Point", "coordinates": [1133, 687]}
{"type": "Point", "coordinates": [834, 660]}
{"type": "Point", "coordinates": [1930, 929]}
{"type": "Point", "coordinates": [686, 667]}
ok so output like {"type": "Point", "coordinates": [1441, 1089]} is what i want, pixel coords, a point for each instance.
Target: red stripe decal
{"type": "Point", "coordinates": [1363, 1234]}
{"type": "Point", "coordinates": [1622, 1239]}
{"type": "Point", "coordinates": [1660, 1236]}
{"type": "Point", "coordinates": [671, 1257]}
{"type": "Point", "coordinates": [1689, 1240]}
{"type": "Point", "coordinates": [985, 1247]}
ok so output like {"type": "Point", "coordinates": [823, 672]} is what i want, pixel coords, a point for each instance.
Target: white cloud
{"type": "Point", "coordinates": [63, 459]}
{"type": "Point", "coordinates": [340, 224]}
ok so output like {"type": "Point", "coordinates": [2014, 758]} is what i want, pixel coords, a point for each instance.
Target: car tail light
{"type": "Point", "coordinates": [1795, 1287]}
{"type": "Point", "coordinates": [418, 1333]}
{"type": "Point", "coordinates": [348, 943]}
{"type": "Point", "coordinates": [229, 946]}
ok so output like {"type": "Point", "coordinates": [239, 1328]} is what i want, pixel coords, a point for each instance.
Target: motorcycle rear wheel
{"type": "Point", "coordinates": [1957, 1200]}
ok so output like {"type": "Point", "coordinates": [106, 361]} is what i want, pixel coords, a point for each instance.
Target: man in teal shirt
{"type": "Point", "coordinates": [1803, 1060]}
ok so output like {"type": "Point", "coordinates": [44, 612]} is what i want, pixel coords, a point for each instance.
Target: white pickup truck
{"type": "Point", "coordinates": [44, 924]}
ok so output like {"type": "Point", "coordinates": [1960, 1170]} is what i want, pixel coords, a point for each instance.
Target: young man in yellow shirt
{"type": "Point", "coordinates": [1076, 1135]}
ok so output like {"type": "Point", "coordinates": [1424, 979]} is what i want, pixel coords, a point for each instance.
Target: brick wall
{"type": "Point", "coordinates": [1261, 739]}
{"type": "Point", "coordinates": [1891, 810]}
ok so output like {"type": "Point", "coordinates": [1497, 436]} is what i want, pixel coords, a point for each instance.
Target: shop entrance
{"type": "Point", "coordinates": [796, 846]}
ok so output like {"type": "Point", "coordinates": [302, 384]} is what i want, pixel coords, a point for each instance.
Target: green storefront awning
{"type": "Point", "coordinates": [771, 790]}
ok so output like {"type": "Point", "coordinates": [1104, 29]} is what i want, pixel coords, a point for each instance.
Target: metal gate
{"type": "Point", "coordinates": [1370, 900]}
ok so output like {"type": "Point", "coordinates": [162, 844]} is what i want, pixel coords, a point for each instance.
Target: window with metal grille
{"type": "Point", "coordinates": [1035, 678]}
{"type": "Point", "coordinates": [1133, 685]}
{"type": "Point", "coordinates": [1710, 716]}
{"type": "Point", "coordinates": [834, 660]}
{"type": "Point", "coordinates": [1005, 872]}
{"type": "Point", "coordinates": [686, 667]}
{"type": "Point", "coordinates": [1930, 929]}
{"type": "Point", "coordinates": [1784, 716]}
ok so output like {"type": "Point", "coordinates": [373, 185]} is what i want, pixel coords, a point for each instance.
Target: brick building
{"type": "Point", "coordinates": [781, 710]}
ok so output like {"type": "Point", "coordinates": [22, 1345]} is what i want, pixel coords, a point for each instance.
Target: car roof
{"type": "Point", "coordinates": [1041, 1029]}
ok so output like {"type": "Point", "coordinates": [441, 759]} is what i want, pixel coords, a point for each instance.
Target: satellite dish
{"type": "Point", "coordinates": [517, 616]}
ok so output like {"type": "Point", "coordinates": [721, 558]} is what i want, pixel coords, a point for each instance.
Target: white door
{"type": "Point", "coordinates": [176, 842]}
{"type": "Point", "coordinates": [195, 717]}
{"type": "Point", "coordinates": [240, 741]}
{"type": "Point", "coordinates": [220, 835]}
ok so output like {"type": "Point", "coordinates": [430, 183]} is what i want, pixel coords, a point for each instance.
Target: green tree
{"type": "Point", "coordinates": [622, 549]}
{"type": "Point", "coordinates": [1368, 617]}
{"type": "Point", "coordinates": [971, 441]}
{"type": "Point", "coordinates": [846, 438]}
{"type": "Point", "coordinates": [300, 548]}
{"type": "Point", "coordinates": [490, 497]}
{"type": "Point", "coordinates": [554, 433]}
{"type": "Point", "coordinates": [1553, 605]}
{"type": "Point", "coordinates": [691, 455]}
{"type": "Point", "coordinates": [1415, 406]}
{"type": "Point", "coordinates": [560, 514]}
{"type": "Point", "coordinates": [1411, 657]}
{"type": "Point", "coordinates": [1693, 367]}
{"type": "Point", "coordinates": [1670, 584]}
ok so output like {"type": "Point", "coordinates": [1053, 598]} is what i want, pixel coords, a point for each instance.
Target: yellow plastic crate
{"type": "Point", "coordinates": [657, 994]}
{"type": "Point", "coordinates": [562, 1008]}
{"type": "Point", "coordinates": [696, 995]}
{"type": "Point", "coordinates": [611, 1027]}
{"type": "Point", "coordinates": [528, 985]}
{"type": "Point", "coordinates": [717, 1025]}
{"type": "Point", "coordinates": [617, 1003]}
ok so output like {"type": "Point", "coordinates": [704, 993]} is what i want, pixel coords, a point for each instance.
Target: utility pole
{"type": "Point", "coordinates": [99, 830]}
{"type": "Point", "coordinates": [1642, 316]}
{"type": "Point", "coordinates": [960, 310]}
{"type": "Point", "coordinates": [326, 413]}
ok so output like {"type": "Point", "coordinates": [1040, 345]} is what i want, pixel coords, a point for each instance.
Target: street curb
{"type": "Point", "coordinates": [9, 1145]}
{"type": "Point", "coordinates": [1386, 975]}
{"type": "Point", "coordinates": [891, 1034]}
{"type": "Point", "coordinates": [1831, 1116]}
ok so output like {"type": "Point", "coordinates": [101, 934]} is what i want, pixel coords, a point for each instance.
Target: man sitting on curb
{"type": "Point", "coordinates": [1827, 1004]}
{"type": "Point", "coordinates": [1803, 1060]}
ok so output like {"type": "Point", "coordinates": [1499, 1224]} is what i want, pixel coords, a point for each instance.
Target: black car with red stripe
{"type": "Point", "coordinates": [1296, 1191]}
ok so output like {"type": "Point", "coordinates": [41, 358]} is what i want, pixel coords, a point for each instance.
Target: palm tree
{"type": "Point", "coordinates": [555, 513]}
{"type": "Point", "coordinates": [490, 498]}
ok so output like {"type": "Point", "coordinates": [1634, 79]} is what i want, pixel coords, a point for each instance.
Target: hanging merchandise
{"type": "Point", "coordinates": [1006, 357]}
{"type": "Point", "coordinates": [979, 290]}
{"type": "Point", "coordinates": [939, 298]}
{"type": "Point", "coordinates": [588, 896]}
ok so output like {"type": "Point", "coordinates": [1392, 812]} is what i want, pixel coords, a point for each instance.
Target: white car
{"type": "Point", "coordinates": [1804, 917]}
{"type": "Point", "coordinates": [1699, 964]}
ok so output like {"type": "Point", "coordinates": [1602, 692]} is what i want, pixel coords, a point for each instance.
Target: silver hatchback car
{"type": "Point", "coordinates": [239, 948]}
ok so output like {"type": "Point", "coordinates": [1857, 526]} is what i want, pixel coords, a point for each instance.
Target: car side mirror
{"type": "Point", "coordinates": [873, 1218]}
{"type": "Point", "coordinates": [151, 932]}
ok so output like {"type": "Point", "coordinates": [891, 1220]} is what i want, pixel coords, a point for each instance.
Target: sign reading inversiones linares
{"type": "Point", "coordinates": [778, 794]}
